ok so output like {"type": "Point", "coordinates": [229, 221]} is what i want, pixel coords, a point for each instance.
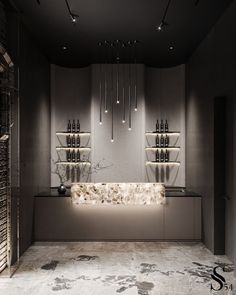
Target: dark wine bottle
{"type": "Point", "coordinates": [69, 126]}
{"type": "Point", "coordinates": [157, 127]}
{"type": "Point", "coordinates": [157, 156]}
{"type": "Point", "coordinates": [73, 126]}
{"type": "Point", "coordinates": [73, 156]}
{"type": "Point", "coordinates": [162, 140]}
{"type": "Point", "coordinates": [157, 141]}
{"type": "Point", "coordinates": [167, 156]}
{"type": "Point", "coordinates": [78, 156]}
{"type": "Point", "coordinates": [68, 156]}
{"type": "Point", "coordinates": [162, 126]}
{"type": "Point", "coordinates": [68, 141]}
{"type": "Point", "coordinates": [166, 126]}
{"type": "Point", "coordinates": [78, 141]}
{"type": "Point", "coordinates": [73, 141]}
{"type": "Point", "coordinates": [162, 156]}
{"type": "Point", "coordinates": [166, 140]}
{"type": "Point", "coordinates": [78, 126]}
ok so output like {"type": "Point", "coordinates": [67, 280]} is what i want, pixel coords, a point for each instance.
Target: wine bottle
{"type": "Point", "coordinates": [157, 141]}
{"type": "Point", "coordinates": [68, 156]}
{"type": "Point", "coordinates": [167, 156]}
{"type": "Point", "coordinates": [73, 126]}
{"type": "Point", "coordinates": [162, 156]}
{"type": "Point", "coordinates": [166, 140]}
{"type": "Point", "coordinates": [78, 156]}
{"type": "Point", "coordinates": [162, 140]}
{"type": "Point", "coordinates": [78, 141]}
{"type": "Point", "coordinates": [78, 126]}
{"type": "Point", "coordinates": [73, 156]}
{"type": "Point", "coordinates": [166, 126]}
{"type": "Point", "coordinates": [157, 156]}
{"type": "Point", "coordinates": [68, 141]}
{"type": "Point", "coordinates": [69, 126]}
{"type": "Point", "coordinates": [73, 141]}
{"type": "Point", "coordinates": [157, 126]}
{"type": "Point", "coordinates": [162, 126]}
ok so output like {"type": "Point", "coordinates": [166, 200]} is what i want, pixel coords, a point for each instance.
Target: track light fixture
{"type": "Point", "coordinates": [74, 17]}
{"type": "Point", "coordinates": [163, 21]}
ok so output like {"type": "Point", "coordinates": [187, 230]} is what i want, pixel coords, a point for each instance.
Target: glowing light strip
{"type": "Point", "coordinates": [74, 148]}
{"type": "Point", "coordinates": [163, 163]}
{"type": "Point", "coordinates": [162, 133]}
{"type": "Point", "coordinates": [76, 134]}
{"type": "Point", "coordinates": [73, 163]}
{"type": "Point", "coordinates": [162, 148]}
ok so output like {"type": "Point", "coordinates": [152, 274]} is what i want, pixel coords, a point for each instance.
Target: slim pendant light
{"type": "Point", "coordinates": [123, 95]}
{"type": "Point", "coordinates": [112, 93]}
{"type": "Point", "coordinates": [120, 66]}
{"type": "Point", "coordinates": [117, 81]}
{"type": "Point", "coordinates": [129, 98]}
{"type": "Point", "coordinates": [105, 78]}
{"type": "Point", "coordinates": [100, 94]}
{"type": "Point", "coordinates": [135, 83]}
{"type": "Point", "coordinates": [100, 86]}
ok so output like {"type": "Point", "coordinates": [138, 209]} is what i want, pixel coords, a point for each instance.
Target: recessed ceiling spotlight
{"type": "Point", "coordinates": [64, 47]}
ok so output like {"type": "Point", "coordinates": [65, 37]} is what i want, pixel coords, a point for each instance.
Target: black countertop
{"type": "Point", "coordinates": [54, 193]}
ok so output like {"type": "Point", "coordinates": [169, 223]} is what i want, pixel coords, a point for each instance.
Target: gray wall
{"type": "Point", "coordinates": [31, 130]}
{"type": "Point", "coordinates": [34, 131]}
{"type": "Point", "coordinates": [70, 99]}
{"type": "Point", "coordinates": [211, 72]}
{"type": "Point", "coordinates": [125, 157]}
{"type": "Point", "coordinates": [165, 99]}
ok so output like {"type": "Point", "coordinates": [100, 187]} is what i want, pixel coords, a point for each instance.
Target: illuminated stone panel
{"type": "Point", "coordinates": [118, 193]}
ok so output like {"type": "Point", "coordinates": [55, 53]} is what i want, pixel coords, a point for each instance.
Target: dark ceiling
{"type": "Point", "coordinates": [189, 22]}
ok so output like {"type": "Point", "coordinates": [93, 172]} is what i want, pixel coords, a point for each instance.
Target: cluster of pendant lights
{"type": "Point", "coordinates": [119, 59]}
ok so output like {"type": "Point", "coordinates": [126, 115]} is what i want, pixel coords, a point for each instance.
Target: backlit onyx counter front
{"type": "Point", "coordinates": [57, 219]}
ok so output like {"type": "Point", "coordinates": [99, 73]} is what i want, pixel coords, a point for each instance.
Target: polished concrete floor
{"type": "Point", "coordinates": [127, 268]}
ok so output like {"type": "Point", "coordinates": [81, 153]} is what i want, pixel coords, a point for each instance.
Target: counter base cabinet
{"type": "Point", "coordinates": [182, 218]}
{"type": "Point", "coordinates": [57, 219]}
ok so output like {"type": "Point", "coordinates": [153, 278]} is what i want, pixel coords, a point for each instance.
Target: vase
{"type": "Point", "coordinates": [61, 189]}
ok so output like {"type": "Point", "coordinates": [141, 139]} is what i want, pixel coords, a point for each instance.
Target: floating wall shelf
{"type": "Point", "coordinates": [154, 148]}
{"type": "Point", "coordinates": [162, 163]}
{"type": "Point", "coordinates": [175, 133]}
{"type": "Point", "coordinates": [73, 149]}
{"type": "Point", "coordinates": [74, 133]}
{"type": "Point", "coordinates": [65, 148]}
{"type": "Point", "coordinates": [73, 163]}
{"type": "Point", "coordinates": [163, 147]}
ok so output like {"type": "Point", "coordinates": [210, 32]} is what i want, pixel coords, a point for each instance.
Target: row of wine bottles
{"type": "Point", "coordinates": [161, 127]}
{"type": "Point", "coordinates": [73, 156]}
{"type": "Point", "coordinates": [162, 156]}
{"type": "Point", "coordinates": [72, 127]}
{"type": "Point", "coordinates": [73, 141]}
{"type": "Point", "coordinates": [162, 141]}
